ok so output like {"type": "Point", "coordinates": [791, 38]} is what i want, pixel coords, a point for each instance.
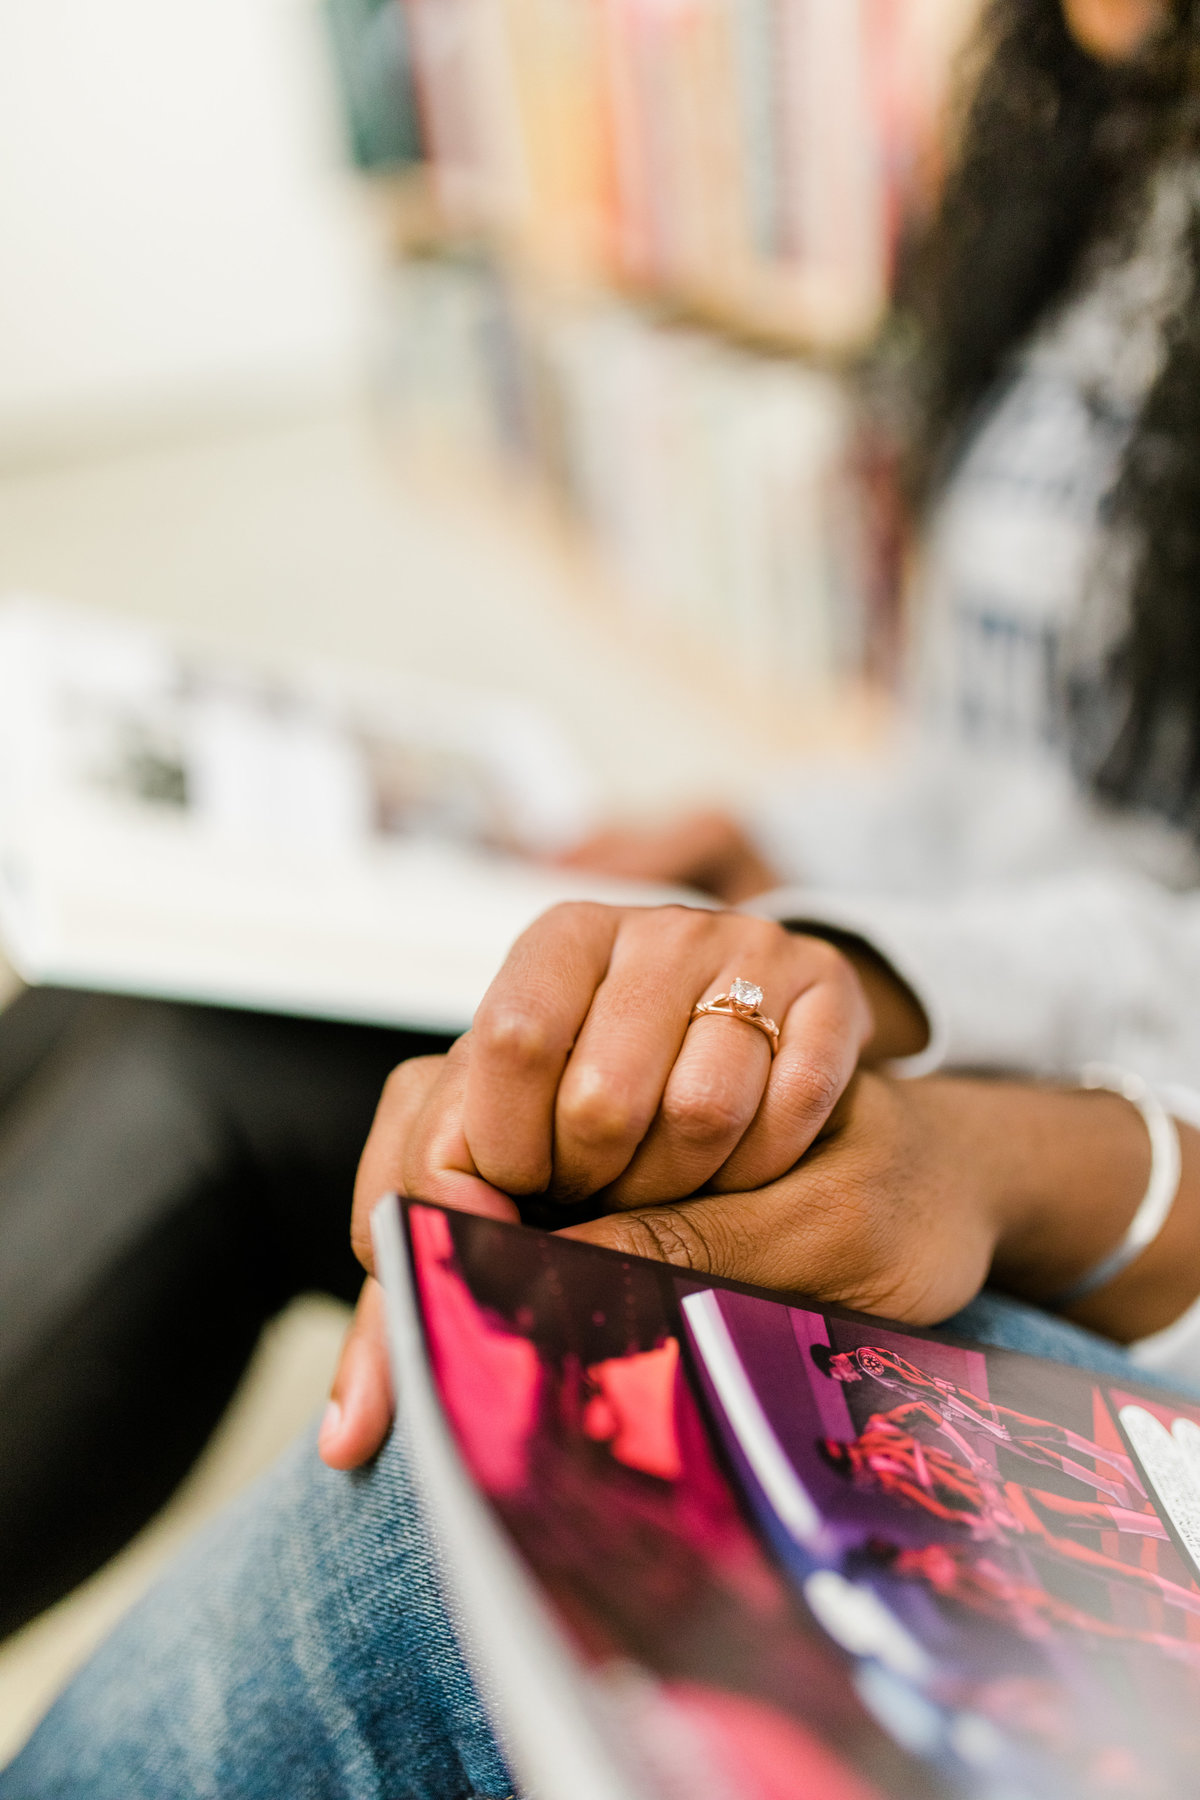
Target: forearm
{"type": "Point", "coordinates": [1065, 1170]}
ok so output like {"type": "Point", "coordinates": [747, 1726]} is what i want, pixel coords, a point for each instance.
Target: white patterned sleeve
{"type": "Point", "coordinates": [1037, 977]}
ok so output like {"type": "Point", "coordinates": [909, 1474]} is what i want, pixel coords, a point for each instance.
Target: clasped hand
{"type": "Point", "coordinates": [586, 1078]}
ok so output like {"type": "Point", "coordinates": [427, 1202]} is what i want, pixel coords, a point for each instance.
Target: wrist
{"type": "Point", "coordinates": [1051, 1175]}
{"type": "Point", "coordinates": [1067, 1170]}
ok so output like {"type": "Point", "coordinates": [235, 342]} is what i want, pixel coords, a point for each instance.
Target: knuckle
{"type": "Point", "coordinates": [812, 1089]}
{"type": "Point", "coordinates": [823, 959]}
{"type": "Point", "coordinates": [702, 1115]}
{"type": "Point", "coordinates": [597, 1116]}
{"type": "Point", "coordinates": [760, 934]}
{"type": "Point", "coordinates": [516, 1035]}
{"type": "Point", "coordinates": [683, 925]}
{"type": "Point", "coordinates": [670, 1234]}
{"type": "Point", "coordinates": [571, 916]}
{"type": "Point", "coordinates": [406, 1089]}
{"type": "Point", "coordinates": [401, 1082]}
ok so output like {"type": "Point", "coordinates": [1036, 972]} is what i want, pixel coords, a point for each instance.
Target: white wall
{"type": "Point", "coordinates": [176, 232]}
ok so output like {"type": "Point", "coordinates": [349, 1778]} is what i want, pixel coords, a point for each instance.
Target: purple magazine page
{"type": "Point", "coordinates": [793, 1553]}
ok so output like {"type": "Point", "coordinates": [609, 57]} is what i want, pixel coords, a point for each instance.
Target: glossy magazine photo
{"type": "Point", "coordinates": [706, 1542]}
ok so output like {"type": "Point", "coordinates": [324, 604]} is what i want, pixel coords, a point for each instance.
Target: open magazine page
{"type": "Point", "coordinates": [791, 1551]}
{"type": "Point", "coordinates": [292, 837]}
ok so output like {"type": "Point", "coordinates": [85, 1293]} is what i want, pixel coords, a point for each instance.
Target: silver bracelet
{"type": "Point", "coordinates": [1165, 1169]}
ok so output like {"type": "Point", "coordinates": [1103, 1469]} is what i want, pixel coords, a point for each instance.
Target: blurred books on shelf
{"type": "Point", "coordinates": [372, 51]}
{"type": "Point", "coordinates": [291, 838]}
{"type": "Point", "coordinates": [729, 496]}
{"type": "Point", "coordinates": [648, 240]}
{"type": "Point", "coordinates": [755, 158]}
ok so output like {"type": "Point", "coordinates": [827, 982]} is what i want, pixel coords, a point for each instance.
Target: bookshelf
{"type": "Point", "coordinates": [635, 272]}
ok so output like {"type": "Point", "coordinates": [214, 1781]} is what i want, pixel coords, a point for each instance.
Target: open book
{"type": "Point", "coordinates": [288, 837]}
{"type": "Point", "coordinates": [708, 1545]}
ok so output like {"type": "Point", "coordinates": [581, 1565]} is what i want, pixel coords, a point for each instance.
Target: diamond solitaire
{"type": "Point", "coordinates": [745, 993]}
{"type": "Point", "coordinates": [741, 1003]}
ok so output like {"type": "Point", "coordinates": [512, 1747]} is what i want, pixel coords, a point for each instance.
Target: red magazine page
{"type": "Point", "coordinates": [797, 1552]}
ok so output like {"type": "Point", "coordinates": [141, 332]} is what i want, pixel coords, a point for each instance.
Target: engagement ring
{"type": "Point", "coordinates": [741, 1002]}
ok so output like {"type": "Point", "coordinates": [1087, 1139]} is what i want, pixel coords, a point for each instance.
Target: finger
{"type": "Point", "coordinates": [621, 1066]}
{"type": "Point", "coordinates": [381, 1163]}
{"type": "Point", "coordinates": [521, 1040]}
{"type": "Point", "coordinates": [822, 1034]}
{"type": "Point", "coordinates": [711, 1097]}
{"type": "Point", "coordinates": [360, 1409]}
{"type": "Point", "coordinates": [416, 1147]}
{"type": "Point", "coordinates": [716, 1089]}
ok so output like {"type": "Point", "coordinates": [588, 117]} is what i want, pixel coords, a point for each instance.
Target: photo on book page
{"type": "Point", "coordinates": [796, 1552]}
{"type": "Point", "coordinates": [102, 713]}
{"type": "Point", "coordinates": [288, 836]}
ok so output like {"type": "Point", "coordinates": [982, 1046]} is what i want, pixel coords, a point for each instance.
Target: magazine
{"type": "Point", "coordinates": [706, 1542]}
{"type": "Point", "coordinates": [289, 837]}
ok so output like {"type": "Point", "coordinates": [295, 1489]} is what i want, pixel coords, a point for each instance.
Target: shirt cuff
{"type": "Point", "coordinates": [802, 910]}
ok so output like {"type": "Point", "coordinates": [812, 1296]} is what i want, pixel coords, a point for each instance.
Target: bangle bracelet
{"type": "Point", "coordinates": [1161, 1189]}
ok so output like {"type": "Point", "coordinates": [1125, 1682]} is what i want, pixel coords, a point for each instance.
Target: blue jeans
{"type": "Point", "coordinates": [300, 1650]}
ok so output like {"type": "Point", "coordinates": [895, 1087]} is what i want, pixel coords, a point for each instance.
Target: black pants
{"type": "Point", "coordinates": [170, 1177]}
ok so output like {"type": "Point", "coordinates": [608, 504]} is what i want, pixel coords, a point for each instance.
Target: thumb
{"type": "Point", "coordinates": [360, 1408]}
{"type": "Point", "coordinates": [717, 1236]}
{"type": "Point", "coordinates": [789, 1237]}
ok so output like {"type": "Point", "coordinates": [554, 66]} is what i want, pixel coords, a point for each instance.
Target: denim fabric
{"type": "Point", "coordinates": [1012, 1325]}
{"type": "Point", "coordinates": [299, 1650]}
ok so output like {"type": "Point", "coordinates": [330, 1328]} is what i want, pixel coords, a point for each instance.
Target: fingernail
{"type": "Point", "coordinates": [331, 1424]}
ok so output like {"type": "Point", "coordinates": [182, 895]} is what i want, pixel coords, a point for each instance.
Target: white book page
{"type": "Point", "coordinates": [283, 841]}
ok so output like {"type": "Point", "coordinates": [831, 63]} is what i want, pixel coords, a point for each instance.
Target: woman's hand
{"type": "Point", "coordinates": [706, 850]}
{"type": "Point", "coordinates": [588, 1079]}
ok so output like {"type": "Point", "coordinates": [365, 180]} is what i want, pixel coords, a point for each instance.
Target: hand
{"type": "Point", "coordinates": [918, 1191]}
{"type": "Point", "coordinates": [583, 1075]}
{"type": "Point", "coordinates": [894, 1210]}
{"type": "Point", "coordinates": [912, 1195]}
{"type": "Point", "coordinates": [588, 1079]}
{"type": "Point", "coordinates": [705, 850]}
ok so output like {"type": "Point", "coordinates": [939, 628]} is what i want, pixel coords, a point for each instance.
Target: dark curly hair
{"type": "Point", "coordinates": [1056, 149]}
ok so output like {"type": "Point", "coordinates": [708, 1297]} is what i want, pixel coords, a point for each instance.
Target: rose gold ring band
{"type": "Point", "coordinates": [726, 1006]}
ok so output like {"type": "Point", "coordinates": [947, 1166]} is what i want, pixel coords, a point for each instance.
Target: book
{"type": "Point", "coordinates": [290, 837]}
{"type": "Point", "coordinates": [705, 1541]}
{"type": "Point", "coordinates": [373, 59]}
